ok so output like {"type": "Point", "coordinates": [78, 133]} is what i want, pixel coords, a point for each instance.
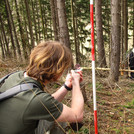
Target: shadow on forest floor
{"type": "Point", "coordinates": [115, 104]}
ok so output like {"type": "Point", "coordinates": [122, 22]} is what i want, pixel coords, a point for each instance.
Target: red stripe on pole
{"type": "Point", "coordinates": [95, 122]}
{"type": "Point", "coordinates": [92, 31]}
{"type": "Point", "coordinates": [93, 65]}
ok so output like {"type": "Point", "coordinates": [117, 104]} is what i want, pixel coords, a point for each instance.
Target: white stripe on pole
{"type": "Point", "coordinates": [94, 84]}
{"type": "Point", "coordinates": [91, 1]}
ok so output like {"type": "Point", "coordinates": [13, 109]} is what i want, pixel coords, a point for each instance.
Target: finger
{"type": "Point", "coordinates": [81, 79]}
{"type": "Point", "coordinates": [80, 73]}
{"type": "Point", "coordinates": [72, 71]}
{"type": "Point", "coordinates": [69, 76]}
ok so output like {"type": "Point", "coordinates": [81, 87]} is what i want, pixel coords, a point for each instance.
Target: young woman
{"type": "Point", "coordinates": [21, 113]}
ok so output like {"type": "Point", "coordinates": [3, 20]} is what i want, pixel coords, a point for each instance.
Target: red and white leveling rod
{"type": "Point", "coordinates": [93, 66]}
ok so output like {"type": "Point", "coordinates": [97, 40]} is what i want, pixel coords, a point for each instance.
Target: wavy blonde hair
{"type": "Point", "coordinates": [48, 60]}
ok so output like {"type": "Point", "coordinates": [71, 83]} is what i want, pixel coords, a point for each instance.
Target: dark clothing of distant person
{"type": "Point", "coordinates": [131, 63]}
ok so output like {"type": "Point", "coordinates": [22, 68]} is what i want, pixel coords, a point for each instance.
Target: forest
{"type": "Point", "coordinates": [24, 23]}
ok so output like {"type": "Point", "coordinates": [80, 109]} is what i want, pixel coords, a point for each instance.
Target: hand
{"type": "Point", "coordinates": [79, 70]}
{"type": "Point", "coordinates": [69, 77]}
{"type": "Point", "coordinates": [81, 76]}
{"type": "Point", "coordinates": [68, 81]}
{"type": "Point", "coordinates": [77, 75]}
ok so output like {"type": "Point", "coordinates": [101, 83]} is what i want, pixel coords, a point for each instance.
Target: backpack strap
{"type": "Point", "coordinates": [2, 80]}
{"type": "Point", "coordinates": [16, 89]}
{"type": "Point", "coordinates": [5, 77]}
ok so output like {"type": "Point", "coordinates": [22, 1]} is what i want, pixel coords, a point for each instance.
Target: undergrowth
{"type": "Point", "coordinates": [115, 104]}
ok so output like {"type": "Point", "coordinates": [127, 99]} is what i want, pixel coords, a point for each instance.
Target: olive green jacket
{"type": "Point", "coordinates": [21, 113]}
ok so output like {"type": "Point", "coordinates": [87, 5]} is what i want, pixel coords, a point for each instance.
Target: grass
{"type": "Point", "coordinates": [130, 105]}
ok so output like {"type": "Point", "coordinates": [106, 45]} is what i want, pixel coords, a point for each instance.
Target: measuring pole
{"type": "Point", "coordinates": [93, 66]}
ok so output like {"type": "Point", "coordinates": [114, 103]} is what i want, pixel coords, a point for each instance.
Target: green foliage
{"type": "Point", "coordinates": [130, 15]}
{"type": "Point", "coordinates": [3, 13]}
{"type": "Point", "coordinates": [83, 130]}
{"type": "Point", "coordinates": [2, 9]}
{"type": "Point", "coordinates": [106, 16]}
{"type": "Point", "coordinates": [99, 86]}
{"type": "Point", "coordinates": [117, 131]}
{"type": "Point", "coordinates": [81, 15]}
{"type": "Point", "coordinates": [130, 105]}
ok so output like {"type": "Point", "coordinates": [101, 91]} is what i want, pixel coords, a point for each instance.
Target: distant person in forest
{"type": "Point", "coordinates": [21, 113]}
{"type": "Point", "coordinates": [131, 63]}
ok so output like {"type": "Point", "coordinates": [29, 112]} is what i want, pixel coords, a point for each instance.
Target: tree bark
{"type": "Point", "coordinates": [63, 28]}
{"type": "Point", "coordinates": [45, 17]}
{"type": "Point", "coordinates": [125, 30]}
{"type": "Point", "coordinates": [38, 21]}
{"type": "Point", "coordinates": [10, 32]}
{"type": "Point", "coordinates": [77, 45]}
{"type": "Point", "coordinates": [53, 16]}
{"type": "Point", "coordinates": [29, 24]}
{"type": "Point", "coordinates": [2, 48]}
{"type": "Point", "coordinates": [122, 31]}
{"type": "Point", "coordinates": [115, 46]}
{"type": "Point", "coordinates": [57, 19]}
{"type": "Point", "coordinates": [13, 28]}
{"type": "Point", "coordinates": [125, 26]}
{"type": "Point", "coordinates": [42, 20]}
{"type": "Point", "coordinates": [99, 31]}
{"type": "Point", "coordinates": [4, 34]}
{"type": "Point", "coordinates": [34, 19]}
{"type": "Point", "coordinates": [74, 32]}
{"type": "Point", "coordinates": [22, 35]}
{"type": "Point", "coordinates": [25, 25]}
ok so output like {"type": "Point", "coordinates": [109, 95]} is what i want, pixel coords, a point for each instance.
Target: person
{"type": "Point", "coordinates": [21, 113]}
{"type": "Point", "coordinates": [131, 63]}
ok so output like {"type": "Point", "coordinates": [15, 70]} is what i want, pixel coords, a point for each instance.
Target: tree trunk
{"type": "Point", "coordinates": [4, 34]}
{"type": "Point", "coordinates": [10, 32]}
{"type": "Point", "coordinates": [78, 59]}
{"type": "Point", "coordinates": [63, 28]}
{"type": "Point", "coordinates": [2, 48]}
{"type": "Point", "coordinates": [25, 29]}
{"type": "Point", "coordinates": [42, 20]}
{"type": "Point", "coordinates": [22, 35]}
{"type": "Point", "coordinates": [99, 30]}
{"type": "Point", "coordinates": [29, 24]}
{"type": "Point", "coordinates": [115, 46]}
{"type": "Point", "coordinates": [13, 28]}
{"type": "Point", "coordinates": [34, 20]}
{"type": "Point", "coordinates": [57, 19]}
{"type": "Point", "coordinates": [45, 22]}
{"type": "Point", "coordinates": [38, 23]}
{"type": "Point", "coordinates": [51, 31]}
{"type": "Point", "coordinates": [125, 29]}
{"type": "Point", "coordinates": [74, 32]}
{"type": "Point", "coordinates": [122, 31]}
{"type": "Point", "coordinates": [53, 16]}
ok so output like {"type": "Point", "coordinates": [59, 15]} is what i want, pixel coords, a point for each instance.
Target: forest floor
{"type": "Point", "coordinates": [115, 103]}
